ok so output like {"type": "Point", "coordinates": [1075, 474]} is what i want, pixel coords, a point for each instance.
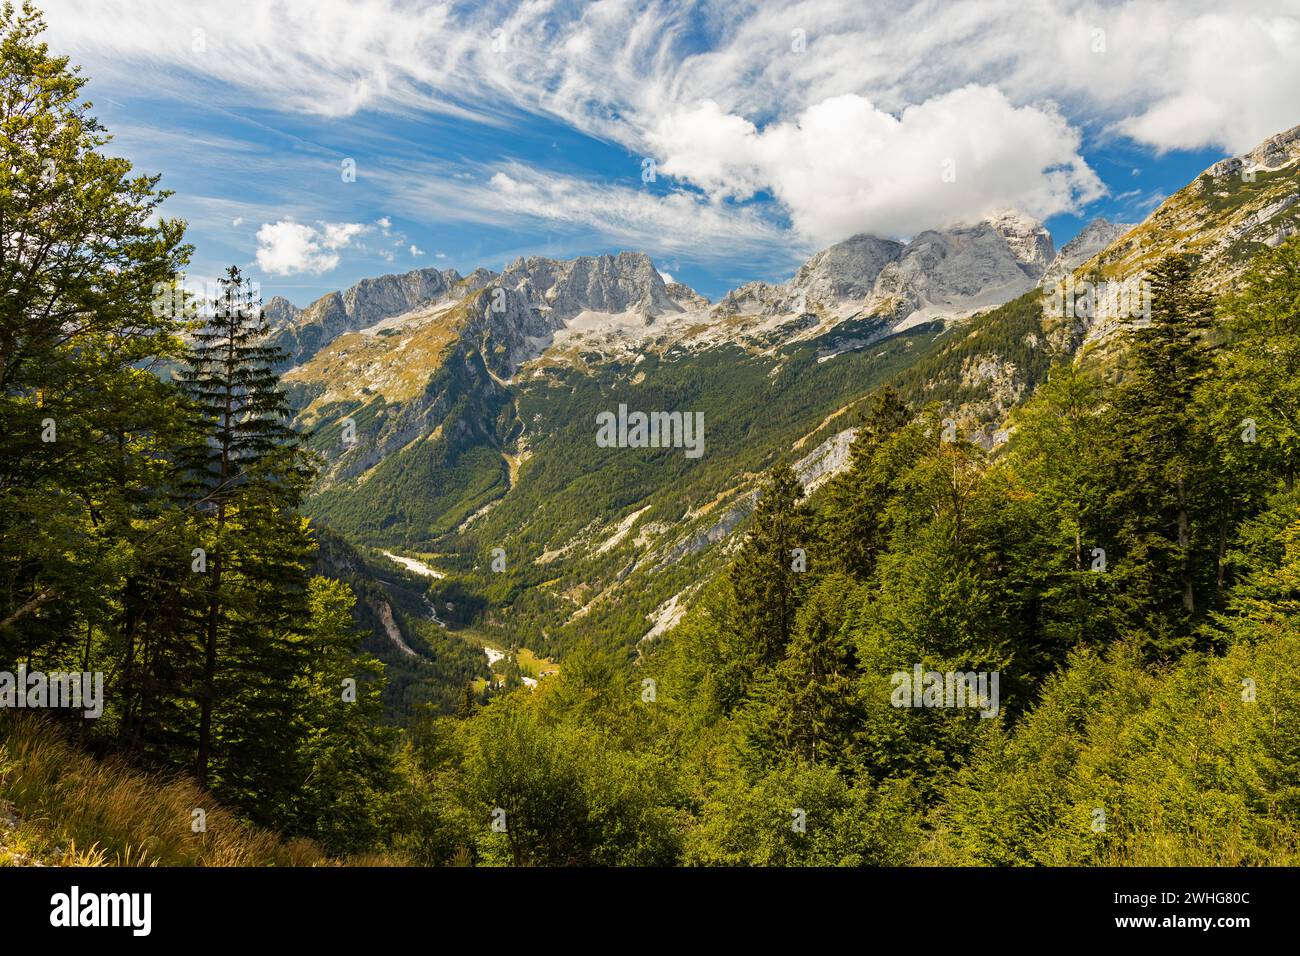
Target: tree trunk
{"type": "Point", "coordinates": [1184, 540]}
{"type": "Point", "coordinates": [207, 692]}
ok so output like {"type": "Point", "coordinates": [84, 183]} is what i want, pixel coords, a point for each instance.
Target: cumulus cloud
{"type": "Point", "coordinates": [287, 248]}
{"type": "Point", "coordinates": [416, 251]}
{"type": "Point", "coordinates": [1234, 83]}
{"type": "Point", "coordinates": [844, 166]}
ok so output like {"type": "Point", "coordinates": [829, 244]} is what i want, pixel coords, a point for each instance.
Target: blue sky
{"type": "Point", "coordinates": [485, 132]}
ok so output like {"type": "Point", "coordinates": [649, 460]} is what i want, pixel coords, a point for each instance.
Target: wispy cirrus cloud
{"type": "Point", "coordinates": [506, 195]}
{"type": "Point", "coordinates": [614, 68]}
{"type": "Point", "coordinates": [783, 125]}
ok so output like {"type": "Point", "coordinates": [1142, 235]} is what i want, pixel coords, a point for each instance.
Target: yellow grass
{"type": "Point", "coordinates": [61, 806]}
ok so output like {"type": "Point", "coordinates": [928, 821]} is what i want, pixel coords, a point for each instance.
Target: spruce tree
{"type": "Point", "coordinates": [853, 519]}
{"type": "Point", "coordinates": [247, 477]}
{"type": "Point", "coordinates": [807, 708]}
{"type": "Point", "coordinates": [769, 576]}
{"type": "Point", "coordinates": [1166, 479]}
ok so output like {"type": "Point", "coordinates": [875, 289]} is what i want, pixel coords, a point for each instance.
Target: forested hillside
{"type": "Point", "coordinates": [1126, 565]}
{"type": "Point", "coordinates": [1074, 642]}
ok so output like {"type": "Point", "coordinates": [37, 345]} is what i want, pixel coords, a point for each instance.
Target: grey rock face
{"type": "Point", "coordinates": [619, 283]}
{"type": "Point", "coordinates": [1029, 242]}
{"type": "Point", "coordinates": [963, 268]}
{"type": "Point", "coordinates": [305, 332]}
{"type": "Point", "coordinates": [952, 270]}
{"type": "Point", "coordinates": [759, 298]}
{"type": "Point", "coordinates": [1092, 239]}
{"type": "Point", "coordinates": [280, 312]}
{"type": "Point", "coordinates": [686, 297]}
{"type": "Point", "coordinates": [846, 270]}
{"type": "Point", "coordinates": [506, 326]}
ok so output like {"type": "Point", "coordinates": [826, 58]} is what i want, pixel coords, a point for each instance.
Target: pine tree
{"type": "Point", "coordinates": [853, 519]}
{"type": "Point", "coordinates": [1167, 472]}
{"type": "Point", "coordinates": [248, 477]}
{"type": "Point", "coordinates": [768, 577]}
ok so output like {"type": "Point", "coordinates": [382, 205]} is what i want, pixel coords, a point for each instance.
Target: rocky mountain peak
{"type": "Point", "coordinates": [303, 332]}
{"type": "Point", "coordinates": [1027, 238]}
{"type": "Point", "coordinates": [279, 311]}
{"type": "Point", "coordinates": [1091, 240]}
{"type": "Point", "coordinates": [686, 297]}
{"type": "Point", "coordinates": [625, 282]}
{"type": "Point", "coordinates": [846, 270]}
{"type": "Point", "coordinates": [962, 269]}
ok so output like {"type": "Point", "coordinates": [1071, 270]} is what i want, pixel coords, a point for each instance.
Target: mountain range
{"type": "Point", "coordinates": [456, 414]}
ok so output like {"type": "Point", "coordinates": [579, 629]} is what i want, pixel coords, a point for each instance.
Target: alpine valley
{"type": "Point", "coordinates": [456, 416]}
{"type": "Point", "coordinates": [959, 546]}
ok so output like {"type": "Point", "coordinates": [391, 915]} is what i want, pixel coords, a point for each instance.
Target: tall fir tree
{"type": "Point", "coordinates": [770, 574]}
{"type": "Point", "coordinates": [1167, 468]}
{"type": "Point", "coordinates": [248, 477]}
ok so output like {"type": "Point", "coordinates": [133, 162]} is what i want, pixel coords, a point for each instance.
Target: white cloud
{"type": "Point", "coordinates": [1172, 73]}
{"type": "Point", "coordinates": [512, 193]}
{"type": "Point", "coordinates": [844, 166]}
{"type": "Point", "coordinates": [287, 248]}
{"type": "Point", "coordinates": [875, 78]}
{"type": "Point", "coordinates": [1234, 82]}
{"type": "Point", "coordinates": [416, 251]}
{"type": "Point", "coordinates": [667, 277]}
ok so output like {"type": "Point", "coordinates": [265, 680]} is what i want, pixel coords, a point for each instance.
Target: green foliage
{"type": "Point", "coordinates": [1133, 726]}
{"type": "Point", "coordinates": [149, 529]}
{"type": "Point", "coordinates": [1148, 703]}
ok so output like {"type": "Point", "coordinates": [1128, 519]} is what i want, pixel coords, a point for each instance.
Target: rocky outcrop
{"type": "Point", "coordinates": [686, 297]}
{"type": "Point", "coordinates": [846, 270]}
{"type": "Point", "coordinates": [1092, 239]}
{"type": "Point", "coordinates": [1274, 153]}
{"type": "Point", "coordinates": [627, 282]}
{"type": "Point", "coordinates": [302, 333]}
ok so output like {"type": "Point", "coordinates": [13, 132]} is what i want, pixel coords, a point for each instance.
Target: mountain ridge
{"type": "Point", "coordinates": [488, 441]}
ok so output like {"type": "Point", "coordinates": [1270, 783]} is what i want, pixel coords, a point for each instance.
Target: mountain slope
{"type": "Point", "coordinates": [467, 424]}
{"type": "Point", "coordinates": [475, 417]}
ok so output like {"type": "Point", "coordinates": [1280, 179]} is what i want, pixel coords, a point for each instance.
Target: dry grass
{"type": "Point", "coordinates": [60, 806]}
